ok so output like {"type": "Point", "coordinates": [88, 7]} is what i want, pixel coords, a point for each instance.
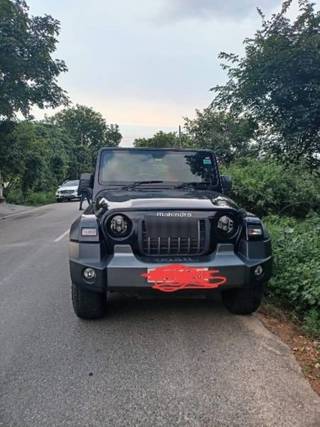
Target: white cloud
{"type": "Point", "coordinates": [142, 74]}
{"type": "Point", "coordinates": [207, 9]}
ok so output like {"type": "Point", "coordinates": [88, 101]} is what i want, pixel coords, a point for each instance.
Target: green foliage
{"type": "Point", "coordinates": [311, 322]}
{"type": "Point", "coordinates": [87, 131]}
{"type": "Point", "coordinates": [28, 71]}
{"type": "Point", "coordinates": [31, 198]}
{"type": "Point", "coordinates": [112, 135]}
{"type": "Point", "coordinates": [227, 135]}
{"type": "Point", "coordinates": [15, 196]}
{"type": "Point", "coordinates": [11, 151]}
{"type": "Point", "coordinates": [296, 279]}
{"type": "Point", "coordinates": [39, 198]}
{"type": "Point", "coordinates": [37, 156]}
{"type": "Point", "coordinates": [32, 156]}
{"type": "Point", "coordinates": [161, 140]}
{"type": "Point", "coordinates": [277, 83]}
{"type": "Point", "coordinates": [265, 187]}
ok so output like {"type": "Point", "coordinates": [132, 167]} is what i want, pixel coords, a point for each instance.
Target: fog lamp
{"type": "Point", "coordinates": [89, 274]}
{"type": "Point", "coordinates": [258, 271]}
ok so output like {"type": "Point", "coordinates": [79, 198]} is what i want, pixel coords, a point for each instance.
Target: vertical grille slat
{"type": "Point", "coordinates": [173, 236]}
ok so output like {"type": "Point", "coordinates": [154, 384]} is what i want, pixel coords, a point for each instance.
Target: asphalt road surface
{"type": "Point", "coordinates": [148, 363]}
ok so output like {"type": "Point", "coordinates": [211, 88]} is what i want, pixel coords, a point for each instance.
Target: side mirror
{"type": "Point", "coordinates": [226, 183]}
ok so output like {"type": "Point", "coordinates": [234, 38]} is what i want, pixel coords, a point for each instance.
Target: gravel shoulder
{"type": "Point", "coordinates": [305, 349]}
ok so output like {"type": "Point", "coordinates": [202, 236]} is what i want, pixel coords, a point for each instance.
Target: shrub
{"type": "Point", "coordinates": [39, 198]}
{"type": "Point", "coordinates": [267, 187]}
{"type": "Point", "coordinates": [31, 198]}
{"type": "Point", "coordinates": [15, 196]}
{"type": "Point", "coordinates": [296, 279]}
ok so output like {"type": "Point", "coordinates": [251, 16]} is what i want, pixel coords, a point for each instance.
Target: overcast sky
{"type": "Point", "coordinates": [146, 64]}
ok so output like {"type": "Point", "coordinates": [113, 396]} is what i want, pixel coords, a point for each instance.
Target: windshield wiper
{"type": "Point", "coordinates": [138, 183]}
{"type": "Point", "coordinates": [194, 185]}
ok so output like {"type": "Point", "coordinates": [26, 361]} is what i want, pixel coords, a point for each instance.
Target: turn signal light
{"type": "Point", "coordinates": [254, 230]}
{"type": "Point", "coordinates": [88, 232]}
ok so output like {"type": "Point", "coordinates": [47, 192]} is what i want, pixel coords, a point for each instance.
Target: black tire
{"type": "Point", "coordinates": [88, 305]}
{"type": "Point", "coordinates": [243, 300]}
{"type": "Point", "coordinates": [59, 200]}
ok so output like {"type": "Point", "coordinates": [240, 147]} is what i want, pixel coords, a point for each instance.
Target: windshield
{"type": "Point", "coordinates": [70, 184]}
{"type": "Point", "coordinates": [123, 166]}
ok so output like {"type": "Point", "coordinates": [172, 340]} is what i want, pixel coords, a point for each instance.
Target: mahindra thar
{"type": "Point", "coordinates": [161, 223]}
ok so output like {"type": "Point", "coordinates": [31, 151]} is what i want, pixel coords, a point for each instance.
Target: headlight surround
{"type": "Point", "coordinates": [119, 226]}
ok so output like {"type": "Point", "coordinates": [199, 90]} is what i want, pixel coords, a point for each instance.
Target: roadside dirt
{"type": "Point", "coordinates": [305, 349]}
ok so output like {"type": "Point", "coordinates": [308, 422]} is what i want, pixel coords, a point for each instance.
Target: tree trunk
{"type": "Point", "coordinates": [1, 189]}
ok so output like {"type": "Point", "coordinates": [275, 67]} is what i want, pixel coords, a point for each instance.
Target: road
{"type": "Point", "coordinates": [148, 363]}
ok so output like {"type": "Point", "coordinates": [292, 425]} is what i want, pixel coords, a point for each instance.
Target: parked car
{"type": "Point", "coordinates": [68, 191]}
{"type": "Point", "coordinates": [161, 222]}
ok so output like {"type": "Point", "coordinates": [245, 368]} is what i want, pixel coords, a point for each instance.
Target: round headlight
{"type": "Point", "coordinates": [226, 227]}
{"type": "Point", "coordinates": [119, 226]}
{"type": "Point", "coordinates": [226, 224]}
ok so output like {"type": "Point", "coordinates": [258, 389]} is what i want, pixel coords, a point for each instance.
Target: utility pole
{"type": "Point", "coordinates": [179, 136]}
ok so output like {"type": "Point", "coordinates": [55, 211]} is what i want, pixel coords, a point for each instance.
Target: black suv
{"type": "Point", "coordinates": [160, 222]}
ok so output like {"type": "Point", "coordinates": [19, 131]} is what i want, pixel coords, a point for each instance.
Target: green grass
{"type": "Point", "coordinates": [31, 198]}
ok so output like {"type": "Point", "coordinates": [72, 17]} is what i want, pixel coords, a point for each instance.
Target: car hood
{"type": "Point", "coordinates": [206, 200]}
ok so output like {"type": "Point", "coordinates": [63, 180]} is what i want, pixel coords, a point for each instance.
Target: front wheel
{"type": "Point", "coordinates": [88, 305]}
{"type": "Point", "coordinates": [243, 300]}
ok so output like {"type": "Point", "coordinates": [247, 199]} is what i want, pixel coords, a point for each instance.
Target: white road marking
{"type": "Point", "coordinates": [62, 236]}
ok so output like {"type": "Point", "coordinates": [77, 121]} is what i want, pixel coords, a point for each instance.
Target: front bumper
{"type": "Point", "coordinates": [67, 196]}
{"type": "Point", "coordinates": [123, 271]}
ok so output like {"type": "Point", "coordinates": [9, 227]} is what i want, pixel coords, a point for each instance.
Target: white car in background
{"type": "Point", "coordinates": [68, 191]}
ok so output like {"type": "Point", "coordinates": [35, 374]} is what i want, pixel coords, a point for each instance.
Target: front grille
{"type": "Point", "coordinates": [174, 236]}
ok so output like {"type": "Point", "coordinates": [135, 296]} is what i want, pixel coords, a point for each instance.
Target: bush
{"type": "Point", "coordinates": [31, 198]}
{"type": "Point", "coordinates": [296, 279]}
{"type": "Point", "coordinates": [267, 187]}
{"type": "Point", "coordinates": [39, 198]}
{"type": "Point", "coordinates": [15, 196]}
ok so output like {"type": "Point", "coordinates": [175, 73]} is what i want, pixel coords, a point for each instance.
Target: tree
{"type": "Point", "coordinates": [161, 140]}
{"type": "Point", "coordinates": [11, 151]}
{"type": "Point", "coordinates": [33, 155]}
{"type": "Point", "coordinates": [28, 76]}
{"type": "Point", "coordinates": [112, 136]}
{"type": "Point", "coordinates": [228, 136]}
{"type": "Point", "coordinates": [277, 83]}
{"type": "Point", "coordinates": [88, 131]}
{"type": "Point", "coordinates": [28, 73]}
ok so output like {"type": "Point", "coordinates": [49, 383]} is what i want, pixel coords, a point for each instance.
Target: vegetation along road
{"type": "Point", "coordinates": [149, 362]}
